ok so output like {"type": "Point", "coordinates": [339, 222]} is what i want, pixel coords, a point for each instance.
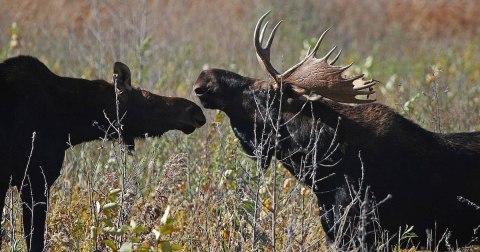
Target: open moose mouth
{"type": "Point", "coordinates": [205, 97]}
{"type": "Point", "coordinates": [201, 91]}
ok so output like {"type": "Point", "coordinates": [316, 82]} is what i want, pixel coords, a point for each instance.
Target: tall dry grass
{"type": "Point", "coordinates": [425, 53]}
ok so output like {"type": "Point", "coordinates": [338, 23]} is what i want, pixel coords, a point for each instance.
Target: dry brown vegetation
{"type": "Point", "coordinates": [425, 53]}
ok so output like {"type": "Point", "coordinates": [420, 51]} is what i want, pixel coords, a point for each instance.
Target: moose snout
{"type": "Point", "coordinates": [197, 116]}
{"type": "Point", "coordinates": [201, 86]}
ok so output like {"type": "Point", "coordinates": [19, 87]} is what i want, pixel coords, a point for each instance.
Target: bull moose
{"type": "Point", "coordinates": [372, 170]}
{"type": "Point", "coordinates": [62, 111]}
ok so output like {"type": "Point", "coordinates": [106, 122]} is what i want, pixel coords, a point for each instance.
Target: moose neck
{"type": "Point", "coordinates": [91, 108]}
{"type": "Point", "coordinates": [301, 127]}
{"type": "Point", "coordinates": [284, 134]}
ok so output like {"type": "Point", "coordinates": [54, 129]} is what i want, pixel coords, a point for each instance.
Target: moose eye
{"type": "Point", "coordinates": [201, 90]}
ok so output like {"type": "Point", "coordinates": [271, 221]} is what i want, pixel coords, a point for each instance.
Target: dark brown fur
{"type": "Point", "coordinates": [420, 173]}
{"type": "Point", "coordinates": [63, 111]}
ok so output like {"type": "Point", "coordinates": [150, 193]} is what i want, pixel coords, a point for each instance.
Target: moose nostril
{"type": "Point", "coordinates": [199, 119]}
{"type": "Point", "coordinates": [200, 90]}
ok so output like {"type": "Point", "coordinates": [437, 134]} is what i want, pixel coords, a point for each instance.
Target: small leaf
{"type": "Point", "coordinates": [169, 221]}
{"type": "Point", "coordinates": [164, 246]}
{"type": "Point", "coordinates": [124, 228]}
{"type": "Point", "coordinates": [267, 203]}
{"type": "Point", "coordinates": [165, 215]}
{"type": "Point", "coordinates": [156, 233]}
{"type": "Point", "coordinates": [110, 205]}
{"type": "Point", "coordinates": [248, 206]}
{"type": "Point", "coordinates": [110, 244]}
{"type": "Point", "coordinates": [140, 229]}
{"type": "Point", "coordinates": [113, 230]}
{"type": "Point", "coordinates": [93, 232]}
{"type": "Point", "coordinates": [115, 191]}
{"type": "Point", "coordinates": [288, 184]}
{"type": "Point", "coordinates": [98, 207]}
{"type": "Point", "coordinates": [166, 229]}
{"type": "Point", "coordinates": [126, 247]}
{"type": "Point", "coordinates": [228, 173]}
{"type": "Point", "coordinates": [133, 224]}
{"type": "Point", "coordinates": [219, 116]}
{"type": "Point", "coordinates": [176, 247]}
{"type": "Point", "coordinates": [113, 194]}
{"type": "Point", "coordinates": [108, 221]}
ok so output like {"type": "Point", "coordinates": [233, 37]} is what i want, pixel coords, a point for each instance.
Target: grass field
{"type": "Point", "coordinates": [201, 192]}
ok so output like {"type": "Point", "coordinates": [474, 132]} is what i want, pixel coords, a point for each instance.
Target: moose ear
{"type": "Point", "coordinates": [122, 76]}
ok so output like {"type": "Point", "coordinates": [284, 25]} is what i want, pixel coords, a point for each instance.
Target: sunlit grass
{"type": "Point", "coordinates": [205, 179]}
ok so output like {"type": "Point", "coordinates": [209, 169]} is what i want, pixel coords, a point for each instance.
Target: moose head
{"type": "Point", "coordinates": [309, 78]}
{"type": "Point", "coordinates": [145, 113]}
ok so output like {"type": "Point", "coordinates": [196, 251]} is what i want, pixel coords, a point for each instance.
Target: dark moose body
{"type": "Point", "coordinates": [66, 111]}
{"type": "Point", "coordinates": [415, 174]}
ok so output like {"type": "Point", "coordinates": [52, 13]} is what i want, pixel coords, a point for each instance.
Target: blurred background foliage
{"type": "Point", "coordinates": [424, 53]}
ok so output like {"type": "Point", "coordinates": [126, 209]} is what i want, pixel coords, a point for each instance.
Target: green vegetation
{"type": "Point", "coordinates": [201, 192]}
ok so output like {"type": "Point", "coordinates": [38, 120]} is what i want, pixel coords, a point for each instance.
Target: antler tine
{"type": "Point", "coordinates": [329, 53]}
{"type": "Point", "coordinates": [260, 38]}
{"type": "Point", "coordinates": [346, 67]}
{"type": "Point", "coordinates": [310, 54]}
{"type": "Point", "coordinates": [354, 78]}
{"type": "Point", "coordinates": [336, 57]}
{"type": "Point", "coordinates": [308, 51]}
{"type": "Point", "coordinates": [272, 35]}
{"type": "Point", "coordinates": [263, 53]}
{"type": "Point", "coordinates": [317, 45]}
{"type": "Point", "coordinates": [366, 84]}
{"type": "Point", "coordinates": [365, 92]}
{"type": "Point", "coordinates": [362, 101]}
{"type": "Point", "coordinates": [313, 75]}
{"type": "Point", "coordinates": [257, 39]}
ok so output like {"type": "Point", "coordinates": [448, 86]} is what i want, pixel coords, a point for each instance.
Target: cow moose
{"type": "Point", "coordinates": [372, 170]}
{"type": "Point", "coordinates": [60, 112]}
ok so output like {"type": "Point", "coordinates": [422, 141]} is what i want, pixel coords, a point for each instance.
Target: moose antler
{"type": "Point", "coordinates": [312, 75]}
